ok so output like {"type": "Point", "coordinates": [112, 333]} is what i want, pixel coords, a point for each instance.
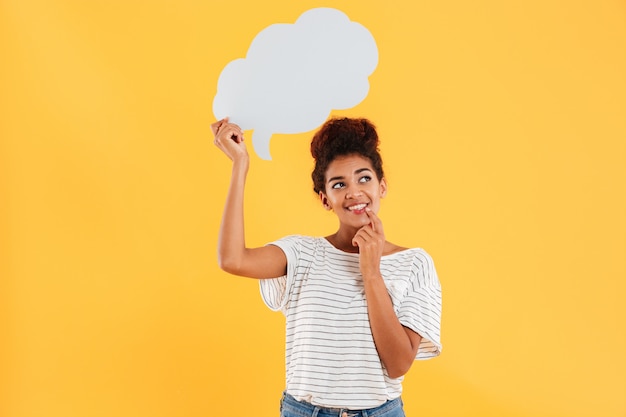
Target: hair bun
{"type": "Point", "coordinates": [341, 137]}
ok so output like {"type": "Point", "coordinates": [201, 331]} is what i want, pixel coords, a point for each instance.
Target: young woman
{"type": "Point", "coordinates": [359, 309]}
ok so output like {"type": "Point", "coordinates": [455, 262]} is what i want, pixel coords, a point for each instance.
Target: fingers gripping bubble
{"type": "Point", "coordinates": [294, 75]}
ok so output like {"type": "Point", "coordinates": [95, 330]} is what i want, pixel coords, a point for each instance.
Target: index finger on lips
{"type": "Point", "coordinates": [375, 220]}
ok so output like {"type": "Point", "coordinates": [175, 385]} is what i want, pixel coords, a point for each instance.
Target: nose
{"type": "Point", "coordinates": [353, 191]}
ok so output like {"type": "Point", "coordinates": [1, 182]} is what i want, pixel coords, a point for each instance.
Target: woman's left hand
{"type": "Point", "coordinates": [371, 241]}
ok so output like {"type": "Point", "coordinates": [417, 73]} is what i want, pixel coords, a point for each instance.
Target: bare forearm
{"type": "Point", "coordinates": [394, 346]}
{"type": "Point", "coordinates": [231, 241]}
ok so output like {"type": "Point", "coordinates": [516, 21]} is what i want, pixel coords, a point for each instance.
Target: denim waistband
{"type": "Point", "coordinates": [305, 409]}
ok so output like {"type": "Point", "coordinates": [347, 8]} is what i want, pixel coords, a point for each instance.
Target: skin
{"type": "Point", "coordinates": [351, 181]}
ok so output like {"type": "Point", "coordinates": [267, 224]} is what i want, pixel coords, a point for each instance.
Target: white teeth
{"type": "Point", "coordinates": [357, 207]}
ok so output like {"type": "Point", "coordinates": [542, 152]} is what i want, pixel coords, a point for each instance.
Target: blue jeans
{"type": "Point", "coordinates": [290, 407]}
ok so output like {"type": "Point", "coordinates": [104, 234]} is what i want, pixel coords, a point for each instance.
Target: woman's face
{"type": "Point", "coordinates": [351, 186]}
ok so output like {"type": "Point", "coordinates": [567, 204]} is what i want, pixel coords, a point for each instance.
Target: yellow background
{"type": "Point", "coordinates": [503, 129]}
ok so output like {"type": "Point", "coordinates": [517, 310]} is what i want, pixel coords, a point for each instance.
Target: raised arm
{"type": "Point", "coordinates": [232, 254]}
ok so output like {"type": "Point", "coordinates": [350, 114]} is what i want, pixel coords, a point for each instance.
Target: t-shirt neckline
{"type": "Point", "coordinates": [328, 244]}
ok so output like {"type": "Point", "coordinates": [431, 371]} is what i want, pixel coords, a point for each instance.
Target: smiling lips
{"type": "Point", "coordinates": [357, 208]}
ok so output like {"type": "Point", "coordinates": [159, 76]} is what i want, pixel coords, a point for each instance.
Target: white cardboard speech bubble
{"type": "Point", "coordinates": [294, 75]}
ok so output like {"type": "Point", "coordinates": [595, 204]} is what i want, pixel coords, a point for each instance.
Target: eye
{"type": "Point", "coordinates": [365, 178]}
{"type": "Point", "coordinates": [338, 185]}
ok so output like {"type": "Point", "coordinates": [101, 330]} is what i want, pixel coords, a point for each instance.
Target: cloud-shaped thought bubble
{"type": "Point", "coordinates": [294, 75]}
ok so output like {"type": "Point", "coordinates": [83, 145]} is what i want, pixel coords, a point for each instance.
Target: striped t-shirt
{"type": "Point", "coordinates": [331, 359]}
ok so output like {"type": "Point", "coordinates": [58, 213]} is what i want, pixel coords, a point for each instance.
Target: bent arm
{"type": "Point", "coordinates": [232, 254]}
{"type": "Point", "coordinates": [396, 345]}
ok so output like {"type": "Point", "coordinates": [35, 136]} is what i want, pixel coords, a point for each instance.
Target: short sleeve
{"type": "Point", "coordinates": [420, 308]}
{"type": "Point", "coordinates": [275, 291]}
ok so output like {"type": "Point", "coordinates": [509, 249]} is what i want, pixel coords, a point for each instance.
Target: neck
{"type": "Point", "coordinates": [342, 240]}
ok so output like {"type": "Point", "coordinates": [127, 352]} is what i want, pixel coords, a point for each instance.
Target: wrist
{"type": "Point", "coordinates": [241, 164]}
{"type": "Point", "coordinates": [374, 275]}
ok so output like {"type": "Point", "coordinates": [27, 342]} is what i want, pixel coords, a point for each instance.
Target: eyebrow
{"type": "Point", "coordinates": [358, 171]}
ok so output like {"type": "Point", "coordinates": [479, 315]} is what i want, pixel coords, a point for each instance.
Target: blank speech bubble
{"type": "Point", "coordinates": [294, 75]}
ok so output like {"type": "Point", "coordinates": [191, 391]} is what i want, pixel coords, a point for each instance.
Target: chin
{"type": "Point", "coordinates": [361, 223]}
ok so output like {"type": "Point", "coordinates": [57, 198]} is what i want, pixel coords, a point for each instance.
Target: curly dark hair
{"type": "Point", "coordinates": [343, 137]}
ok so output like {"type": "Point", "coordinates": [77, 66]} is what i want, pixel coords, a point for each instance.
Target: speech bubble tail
{"type": "Point", "coordinates": [261, 144]}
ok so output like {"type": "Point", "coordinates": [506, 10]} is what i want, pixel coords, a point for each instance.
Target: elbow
{"type": "Point", "coordinates": [400, 367]}
{"type": "Point", "coordinates": [398, 371]}
{"type": "Point", "coordinates": [228, 264]}
{"type": "Point", "coordinates": [400, 363]}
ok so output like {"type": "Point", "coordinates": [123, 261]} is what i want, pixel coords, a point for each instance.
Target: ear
{"type": "Point", "coordinates": [383, 188]}
{"type": "Point", "coordinates": [324, 201]}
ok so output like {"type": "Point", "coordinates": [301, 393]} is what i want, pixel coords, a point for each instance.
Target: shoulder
{"type": "Point", "coordinates": [391, 248]}
{"type": "Point", "coordinates": [417, 256]}
{"type": "Point", "coordinates": [295, 245]}
{"type": "Point", "coordinates": [423, 268]}
{"type": "Point", "coordinates": [408, 253]}
{"type": "Point", "coordinates": [416, 259]}
{"type": "Point", "coordinates": [299, 240]}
